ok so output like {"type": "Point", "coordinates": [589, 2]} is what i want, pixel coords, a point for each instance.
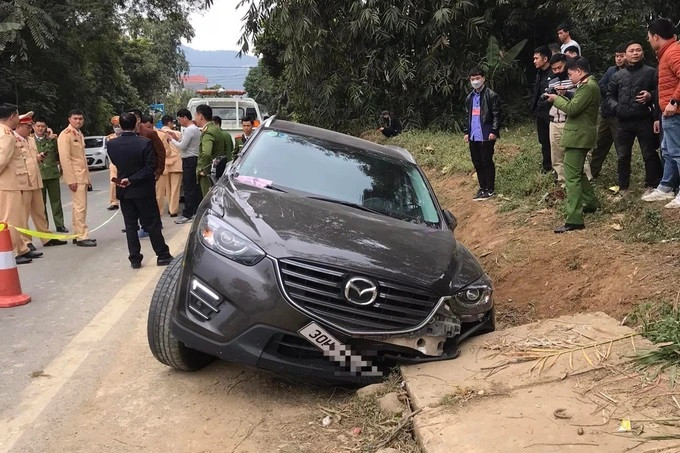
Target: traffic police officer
{"type": "Point", "coordinates": [76, 174]}
{"type": "Point", "coordinates": [33, 203]}
{"type": "Point", "coordinates": [13, 182]}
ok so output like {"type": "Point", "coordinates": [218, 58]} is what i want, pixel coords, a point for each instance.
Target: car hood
{"type": "Point", "coordinates": [289, 226]}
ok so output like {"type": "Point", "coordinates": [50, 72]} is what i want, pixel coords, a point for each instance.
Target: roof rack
{"type": "Point", "coordinates": [220, 93]}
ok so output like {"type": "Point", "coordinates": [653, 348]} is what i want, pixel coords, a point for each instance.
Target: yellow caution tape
{"type": "Point", "coordinates": [48, 235]}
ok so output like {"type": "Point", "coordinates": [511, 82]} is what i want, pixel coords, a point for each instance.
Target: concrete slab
{"type": "Point", "coordinates": [486, 401]}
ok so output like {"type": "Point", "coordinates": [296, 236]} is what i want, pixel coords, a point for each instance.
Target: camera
{"type": "Point", "coordinates": [566, 85]}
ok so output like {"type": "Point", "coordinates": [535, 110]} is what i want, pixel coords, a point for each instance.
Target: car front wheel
{"type": "Point", "coordinates": [164, 345]}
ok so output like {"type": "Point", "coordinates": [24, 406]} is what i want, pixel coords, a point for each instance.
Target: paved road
{"type": "Point", "coordinates": [76, 373]}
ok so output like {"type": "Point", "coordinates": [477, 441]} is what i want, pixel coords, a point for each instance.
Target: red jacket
{"type": "Point", "coordinates": [669, 73]}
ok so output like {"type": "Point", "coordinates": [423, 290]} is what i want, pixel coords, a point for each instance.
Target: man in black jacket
{"type": "Point", "coordinates": [539, 107]}
{"type": "Point", "coordinates": [392, 125]}
{"type": "Point", "coordinates": [631, 96]}
{"type": "Point", "coordinates": [482, 129]}
{"type": "Point", "coordinates": [606, 129]}
{"type": "Point", "coordinates": [135, 160]}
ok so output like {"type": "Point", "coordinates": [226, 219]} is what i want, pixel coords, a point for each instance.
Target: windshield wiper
{"type": "Point", "coordinates": [275, 187]}
{"type": "Point", "coordinates": [350, 204]}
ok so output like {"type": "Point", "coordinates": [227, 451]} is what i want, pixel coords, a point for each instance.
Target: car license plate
{"type": "Point", "coordinates": [338, 352]}
{"type": "Point", "coordinates": [320, 338]}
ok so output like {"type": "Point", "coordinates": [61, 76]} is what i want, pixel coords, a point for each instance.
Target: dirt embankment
{"type": "Point", "coordinates": [540, 274]}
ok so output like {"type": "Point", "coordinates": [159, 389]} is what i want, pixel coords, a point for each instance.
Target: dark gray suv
{"type": "Point", "coordinates": [322, 256]}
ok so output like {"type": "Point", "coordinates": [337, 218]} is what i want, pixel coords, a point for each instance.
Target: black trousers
{"type": "Point", "coordinates": [626, 133]}
{"type": "Point", "coordinates": [144, 211]}
{"type": "Point", "coordinates": [543, 130]}
{"type": "Point", "coordinates": [192, 191]}
{"type": "Point", "coordinates": [482, 158]}
{"type": "Point", "coordinates": [606, 133]}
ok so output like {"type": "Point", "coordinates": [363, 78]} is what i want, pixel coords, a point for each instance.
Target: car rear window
{"type": "Point", "coordinates": [91, 142]}
{"type": "Point", "coordinates": [328, 169]}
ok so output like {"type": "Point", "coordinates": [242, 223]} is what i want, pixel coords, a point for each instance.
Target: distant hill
{"type": "Point", "coordinates": [219, 66]}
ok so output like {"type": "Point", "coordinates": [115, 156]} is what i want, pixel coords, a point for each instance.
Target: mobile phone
{"type": "Point", "coordinates": [115, 180]}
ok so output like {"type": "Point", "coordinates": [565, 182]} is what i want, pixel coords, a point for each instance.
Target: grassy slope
{"type": "Point", "coordinates": [521, 186]}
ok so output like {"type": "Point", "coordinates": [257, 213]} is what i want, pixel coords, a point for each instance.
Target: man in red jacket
{"type": "Point", "coordinates": [661, 36]}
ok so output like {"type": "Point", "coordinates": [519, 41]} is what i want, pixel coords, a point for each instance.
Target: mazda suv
{"type": "Point", "coordinates": [320, 256]}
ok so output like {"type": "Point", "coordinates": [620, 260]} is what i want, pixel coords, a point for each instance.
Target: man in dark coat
{"type": "Point", "coordinates": [135, 160]}
{"type": "Point", "coordinates": [391, 124]}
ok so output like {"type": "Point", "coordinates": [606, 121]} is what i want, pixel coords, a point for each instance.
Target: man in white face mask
{"type": "Point", "coordinates": [482, 129]}
{"type": "Point", "coordinates": [113, 171]}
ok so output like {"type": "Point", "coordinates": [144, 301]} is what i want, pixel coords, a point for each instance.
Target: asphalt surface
{"type": "Point", "coordinates": [69, 285]}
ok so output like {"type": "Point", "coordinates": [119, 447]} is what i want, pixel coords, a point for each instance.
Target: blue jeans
{"type": "Point", "coordinates": [670, 152]}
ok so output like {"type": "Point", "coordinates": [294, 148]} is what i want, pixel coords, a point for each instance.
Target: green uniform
{"type": "Point", "coordinates": [49, 171]}
{"type": "Point", "coordinates": [228, 143]}
{"type": "Point", "coordinates": [579, 137]}
{"type": "Point", "coordinates": [211, 146]}
{"type": "Point", "coordinates": [239, 145]}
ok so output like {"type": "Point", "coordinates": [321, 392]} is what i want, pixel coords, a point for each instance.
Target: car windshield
{"type": "Point", "coordinates": [94, 142]}
{"type": "Point", "coordinates": [340, 173]}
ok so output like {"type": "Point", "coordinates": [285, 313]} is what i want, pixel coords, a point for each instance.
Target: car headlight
{"type": "Point", "coordinates": [474, 298]}
{"type": "Point", "coordinates": [222, 238]}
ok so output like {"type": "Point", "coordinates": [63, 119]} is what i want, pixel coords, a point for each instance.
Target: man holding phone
{"type": "Point", "coordinates": [631, 96]}
{"type": "Point", "coordinates": [135, 159]}
{"type": "Point", "coordinates": [46, 143]}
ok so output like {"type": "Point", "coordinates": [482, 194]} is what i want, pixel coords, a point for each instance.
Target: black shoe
{"type": "Point", "coordinates": [136, 265]}
{"type": "Point", "coordinates": [591, 209]}
{"type": "Point", "coordinates": [567, 227]}
{"type": "Point", "coordinates": [479, 195]}
{"type": "Point", "coordinates": [53, 242]}
{"type": "Point", "coordinates": [31, 247]}
{"type": "Point", "coordinates": [62, 230]}
{"type": "Point", "coordinates": [33, 254]}
{"type": "Point", "coordinates": [89, 187]}
{"type": "Point", "coordinates": [85, 243]}
{"type": "Point", "coordinates": [113, 207]}
{"type": "Point", "coordinates": [174, 215]}
{"type": "Point", "coordinates": [23, 259]}
{"type": "Point", "coordinates": [165, 260]}
{"type": "Point", "coordinates": [545, 171]}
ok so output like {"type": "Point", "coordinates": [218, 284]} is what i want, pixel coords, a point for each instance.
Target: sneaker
{"type": "Point", "coordinates": [487, 195]}
{"type": "Point", "coordinates": [141, 234]}
{"type": "Point", "coordinates": [479, 195]}
{"type": "Point", "coordinates": [658, 195]}
{"type": "Point", "coordinates": [675, 204]}
{"type": "Point", "coordinates": [183, 219]}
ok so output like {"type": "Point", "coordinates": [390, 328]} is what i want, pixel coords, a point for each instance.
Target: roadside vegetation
{"type": "Point", "coordinates": [521, 186]}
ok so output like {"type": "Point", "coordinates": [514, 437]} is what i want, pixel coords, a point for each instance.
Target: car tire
{"type": "Point", "coordinates": [164, 345]}
{"type": "Point", "coordinates": [106, 163]}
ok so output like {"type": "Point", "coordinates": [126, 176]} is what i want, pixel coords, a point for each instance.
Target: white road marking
{"type": "Point", "coordinates": [40, 392]}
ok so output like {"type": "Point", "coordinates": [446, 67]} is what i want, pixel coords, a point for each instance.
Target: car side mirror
{"type": "Point", "coordinates": [451, 220]}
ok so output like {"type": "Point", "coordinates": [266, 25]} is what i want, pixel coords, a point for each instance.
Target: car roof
{"type": "Point", "coordinates": [394, 152]}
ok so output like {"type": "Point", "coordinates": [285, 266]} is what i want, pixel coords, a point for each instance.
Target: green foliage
{"type": "Point", "coordinates": [660, 323]}
{"type": "Point", "coordinates": [68, 55]}
{"type": "Point", "coordinates": [178, 100]}
{"type": "Point", "coordinates": [340, 63]}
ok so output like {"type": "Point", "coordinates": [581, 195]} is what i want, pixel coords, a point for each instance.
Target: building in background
{"type": "Point", "coordinates": [195, 82]}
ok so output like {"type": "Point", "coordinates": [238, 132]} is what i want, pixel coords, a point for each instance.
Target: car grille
{"type": "Point", "coordinates": [318, 291]}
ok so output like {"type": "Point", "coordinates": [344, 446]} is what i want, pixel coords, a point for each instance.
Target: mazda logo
{"type": "Point", "coordinates": [360, 291]}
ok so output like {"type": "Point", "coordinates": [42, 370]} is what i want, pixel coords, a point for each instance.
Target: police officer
{"type": "Point", "coordinates": [247, 127]}
{"type": "Point", "coordinates": [33, 203]}
{"type": "Point", "coordinates": [46, 144]}
{"type": "Point", "coordinates": [13, 182]}
{"type": "Point", "coordinates": [168, 185]}
{"type": "Point", "coordinates": [211, 146]}
{"type": "Point", "coordinates": [76, 174]}
{"type": "Point", "coordinates": [113, 172]}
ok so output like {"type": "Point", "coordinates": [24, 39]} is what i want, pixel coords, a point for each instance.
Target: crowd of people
{"type": "Point", "coordinates": [578, 119]}
{"type": "Point", "coordinates": [148, 170]}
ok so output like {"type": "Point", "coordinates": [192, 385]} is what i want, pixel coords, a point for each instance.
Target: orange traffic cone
{"type": "Point", "coordinates": [10, 287]}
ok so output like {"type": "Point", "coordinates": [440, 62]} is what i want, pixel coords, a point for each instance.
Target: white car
{"type": "Point", "coordinates": [95, 152]}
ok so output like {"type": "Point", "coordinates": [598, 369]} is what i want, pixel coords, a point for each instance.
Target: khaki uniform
{"type": "Point", "coordinates": [113, 173]}
{"type": "Point", "coordinates": [14, 184]}
{"type": "Point", "coordinates": [74, 165]}
{"type": "Point", "coordinates": [33, 200]}
{"type": "Point", "coordinates": [168, 184]}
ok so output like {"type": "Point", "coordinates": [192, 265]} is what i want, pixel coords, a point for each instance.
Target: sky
{"type": "Point", "coordinates": [219, 28]}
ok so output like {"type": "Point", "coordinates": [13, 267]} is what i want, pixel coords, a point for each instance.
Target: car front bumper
{"type": "Point", "coordinates": [239, 314]}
